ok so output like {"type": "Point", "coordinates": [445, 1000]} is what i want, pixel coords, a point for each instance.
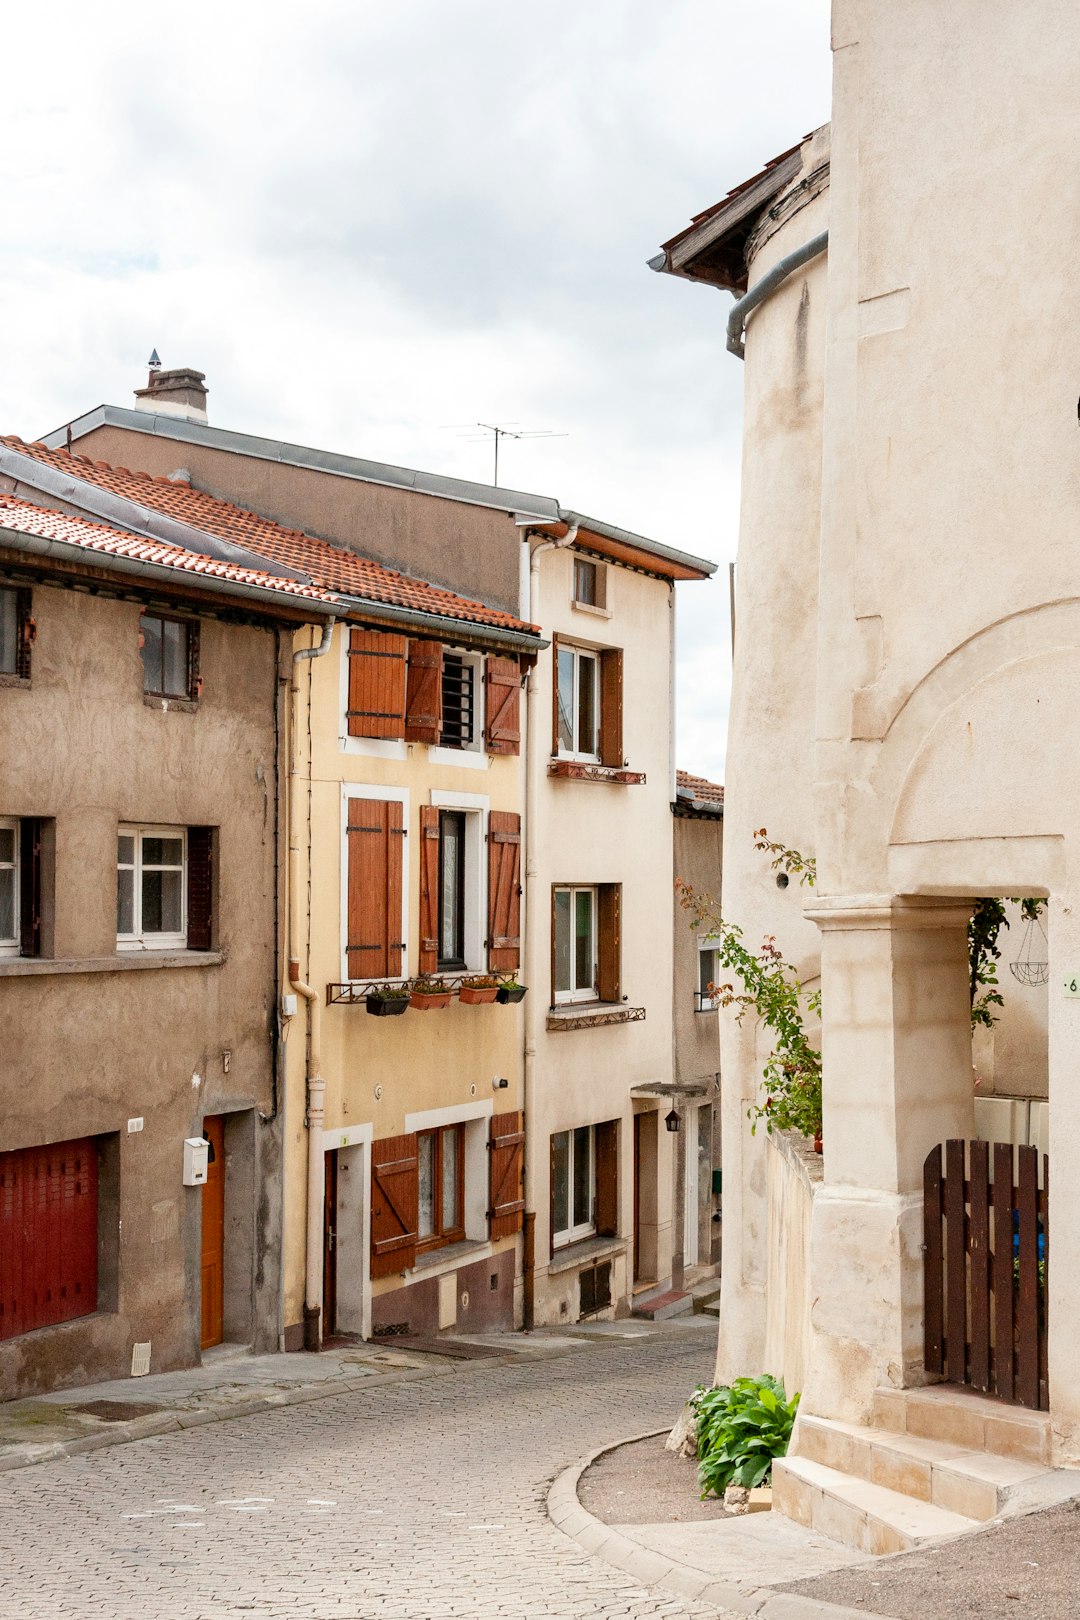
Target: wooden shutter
{"type": "Point", "coordinates": [376, 684]}
{"type": "Point", "coordinates": [504, 891]}
{"type": "Point", "coordinates": [374, 945]}
{"type": "Point", "coordinates": [423, 706]}
{"type": "Point", "coordinates": [506, 1162]}
{"type": "Point", "coordinates": [502, 689]}
{"type": "Point", "coordinates": [395, 1204]}
{"type": "Point", "coordinates": [30, 886]}
{"type": "Point", "coordinates": [200, 885]}
{"type": "Point", "coordinates": [429, 889]}
{"type": "Point", "coordinates": [609, 908]}
{"type": "Point", "coordinates": [606, 1159]}
{"type": "Point", "coordinates": [611, 737]}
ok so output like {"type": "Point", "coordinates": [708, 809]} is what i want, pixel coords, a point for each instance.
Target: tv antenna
{"type": "Point", "coordinates": [506, 430]}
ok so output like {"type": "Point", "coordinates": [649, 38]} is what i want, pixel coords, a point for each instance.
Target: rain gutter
{"type": "Point", "coordinates": [763, 289]}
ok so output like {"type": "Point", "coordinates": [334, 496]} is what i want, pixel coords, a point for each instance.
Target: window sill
{"type": "Point", "coordinates": [584, 1252]}
{"type": "Point", "coordinates": [590, 607]}
{"type": "Point", "coordinates": [171, 705]}
{"type": "Point", "coordinates": [25, 966]}
{"type": "Point", "coordinates": [7, 679]}
{"type": "Point", "coordinates": [450, 1256]}
{"type": "Point", "coordinates": [584, 1015]}
{"type": "Point", "coordinates": [577, 770]}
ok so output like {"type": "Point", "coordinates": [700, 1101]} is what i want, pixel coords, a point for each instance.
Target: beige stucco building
{"type": "Point", "coordinates": [905, 669]}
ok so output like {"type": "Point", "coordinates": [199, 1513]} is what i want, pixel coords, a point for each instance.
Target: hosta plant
{"type": "Point", "coordinates": [741, 1427]}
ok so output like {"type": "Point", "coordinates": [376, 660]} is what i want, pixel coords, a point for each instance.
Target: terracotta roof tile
{"type": "Point", "coordinates": [698, 788]}
{"type": "Point", "coordinates": [24, 518]}
{"type": "Point", "coordinates": [333, 567]}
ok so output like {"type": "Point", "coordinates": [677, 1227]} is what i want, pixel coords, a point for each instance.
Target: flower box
{"type": "Point", "coordinates": [477, 995]}
{"type": "Point", "coordinates": [510, 992]}
{"type": "Point", "coordinates": [429, 1000]}
{"type": "Point", "coordinates": [387, 1006]}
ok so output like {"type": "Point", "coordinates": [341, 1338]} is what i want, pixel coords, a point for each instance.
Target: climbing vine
{"type": "Point", "coordinates": [987, 921]}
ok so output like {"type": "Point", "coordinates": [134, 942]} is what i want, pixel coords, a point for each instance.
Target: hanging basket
{"type": "Point", "coordinates": [1032, 966]}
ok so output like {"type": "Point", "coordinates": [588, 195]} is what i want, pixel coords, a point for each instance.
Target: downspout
{"type": "Point", "coordinates": [785, 267]}
{"type": "Point", "coordinates": [532, 799]}
{"type": "Point", "coordinates": [316, 1085]}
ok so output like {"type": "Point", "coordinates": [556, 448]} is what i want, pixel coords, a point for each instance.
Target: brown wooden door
{"type": "Point", "coordinates": [637, 1197]}
{"type": "Point", "coordinates": [329, 1304]}
{"type": "Point", "coordinates": [213, 1234]}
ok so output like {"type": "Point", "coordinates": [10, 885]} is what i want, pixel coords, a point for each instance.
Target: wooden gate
{"type": "Point", "coordinates": [48, 1235]}
{"type": "Point", "coordinates": [987, 1257]}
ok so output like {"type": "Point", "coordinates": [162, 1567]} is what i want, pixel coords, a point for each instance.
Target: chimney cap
{"type": "Point", "coordinates": [155, 360]}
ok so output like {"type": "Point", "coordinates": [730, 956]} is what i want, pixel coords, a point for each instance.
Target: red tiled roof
{"type": "Point", "coordinates": [698, 788]}
{"type": "Point", "coordinates": [24, 518]}
{"type": "Point", "coordinates": [333, 567]}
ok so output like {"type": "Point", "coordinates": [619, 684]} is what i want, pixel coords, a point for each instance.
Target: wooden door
{"type": "Point", "coordinates": [330, 1190]}
{"type": "Point", "coordinates": [637, 1198]}
{"type": "Point", "coordinates": [213, 1234]}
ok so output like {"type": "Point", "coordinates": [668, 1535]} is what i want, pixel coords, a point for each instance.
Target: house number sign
{"type": "Point", "coordinates": [1072, 985]}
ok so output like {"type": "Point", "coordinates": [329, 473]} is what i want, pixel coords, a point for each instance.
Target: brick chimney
{"type": "Point", "coordinates": [173, 393]}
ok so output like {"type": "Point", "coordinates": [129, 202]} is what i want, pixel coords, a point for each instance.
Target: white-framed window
{"type": "Point", "coordinates": [10, 938]}
{"type": "Point", "coordinates": [151, 888]}
{"type": "Point", "coordinates": [575, 944]}
{"type": "Point", "coordinates": [578, 704]}
{"type": "Point", "coordinates": [705, 997]}
{"type": "Point", "coordinates": [590, 586]}
{"type": "Point", "coordinates": [573, 1183]}
{"type": "Point", "coordinates": [462, 880]}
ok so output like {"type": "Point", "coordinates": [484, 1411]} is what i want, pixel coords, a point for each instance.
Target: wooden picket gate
{"type": "Point", "coordinates": [987, 1259]}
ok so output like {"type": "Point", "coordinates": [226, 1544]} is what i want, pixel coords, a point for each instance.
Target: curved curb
{"type": "Point", "coordinates": [653, 1570]}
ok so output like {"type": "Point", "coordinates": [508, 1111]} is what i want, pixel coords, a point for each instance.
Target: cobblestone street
{"type": "Point", "coordinates": [415, 1500]}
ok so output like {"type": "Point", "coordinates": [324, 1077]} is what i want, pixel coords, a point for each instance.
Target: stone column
{"type": "Point", "coordinates": [896, 1044]}
{"type": "Point", "coordinates": [1063, 1322]}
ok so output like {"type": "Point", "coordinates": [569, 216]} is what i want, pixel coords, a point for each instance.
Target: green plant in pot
{"type": "Point", "coordinates": [426, 995]}
{"type": "Point", "coordinates": [741, 1428]}
{"type": "Point", "coordinates": [478, 990]}
{"type": "Point", "coordinates": [510, 990]}
{"type": "Point", "coordinates": [389, 1001]}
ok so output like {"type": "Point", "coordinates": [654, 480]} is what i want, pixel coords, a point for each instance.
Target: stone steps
{"type": "Point", "coordinates": [657, 1307]}
{"type": "Point", "coordinates": [871, 1518]}
{"type": "Point", "coordinates": [932, 1463]}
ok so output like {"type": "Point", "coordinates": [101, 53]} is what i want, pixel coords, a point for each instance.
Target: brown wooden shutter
{"type": "Point", "coordinates": [200, 884]}
{"type": "Point", "coordinates": [373, 940]}
{"type": "Point", "coordinates": [606, 1153]}
{"type": "Point", "coordinates": [395, 1204]}
{"type": "Point", "coordinates": [504, 891]}
{"type": "Point", "coordinates": [611, 705]}
{"type": "Point", "coordinates": [30, 886]}
{"type": "Point", "coordinates": [26, 632]}
{"type": "Point", "coordinates": [502, 688]}
{"type": "Point", "coordinates": [609, 906]}
{"type": "Point", "coordinates": [423, 707]}
{"type": "Point", "coordinates": [429, 889]}
{"type": "Point", "coordinates": [506, 1161]}
{"type": "Point", "coordinates": [376, 684]}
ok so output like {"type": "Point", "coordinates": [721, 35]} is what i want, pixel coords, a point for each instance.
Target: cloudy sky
{"type": "Point", "coordinates": [373, 223]}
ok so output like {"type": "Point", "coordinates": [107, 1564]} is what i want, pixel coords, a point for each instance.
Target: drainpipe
{"type": "Point", "coordinates": [316, 1085]}
{"type": "Point", "coordinates": [532, 798]}
{"type": "Point", "coordinates": [738, 313]}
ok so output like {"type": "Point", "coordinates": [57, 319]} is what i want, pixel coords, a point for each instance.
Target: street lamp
{"type": "Point", "coordinates": [672, 1120]}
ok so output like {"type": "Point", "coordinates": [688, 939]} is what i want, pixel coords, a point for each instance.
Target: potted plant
{"type": "Point", "coordinates": [426, 995]}
{"type": "Point", "coordinates": [510, 990]}
{"type": "Point", "coordinates": [476, 992]}
{"type": "Point", "coordinates": [390, 1001]}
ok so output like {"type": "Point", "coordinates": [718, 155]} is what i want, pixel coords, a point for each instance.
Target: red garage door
{"type": "Point", "coordinates": [48, 1235]}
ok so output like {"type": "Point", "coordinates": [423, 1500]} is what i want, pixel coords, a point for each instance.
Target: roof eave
{"type": "Point", "coordinates": [635, 550]}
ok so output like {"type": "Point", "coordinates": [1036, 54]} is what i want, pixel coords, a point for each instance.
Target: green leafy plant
{"type": "Point", "coordinates": [741, 1427]}
{"type": "Point", "coordinates": [987, 921]}
{"type": "Point", "coordinates": [772, 990]}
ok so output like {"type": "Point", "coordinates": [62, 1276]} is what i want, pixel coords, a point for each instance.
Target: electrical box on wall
{"type": "Point", "coordinates": [196, 1160]}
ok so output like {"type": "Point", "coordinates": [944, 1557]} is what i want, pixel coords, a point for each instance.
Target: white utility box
{"type": "Point", "coordinates": [196, 1160]}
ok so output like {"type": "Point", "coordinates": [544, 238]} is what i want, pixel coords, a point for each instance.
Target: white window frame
{"type": "Point", "coordinates": [140, 939]}
{"type": "Point", "coordinates": [561, 1235]}
{"type": "Point", "coordinates": [475, 1116]}
{"type": "Point", "coordinates": [470, 753]}
{"type": "Point", "coordinates": [578, 654]}
{"type": "Point", "coordinates": [578, 992]}
{"type": "Point", "coordinates": [476, 807]}
{"type": "Point", "coordinates": [702, 1002]}
{"type": "Point", "coordinates": [13, 946]}
{"type": "Point", "coordinates": [365, 790]}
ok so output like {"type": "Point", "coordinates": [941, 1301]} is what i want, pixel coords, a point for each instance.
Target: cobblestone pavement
{"type": "Point", "coordinates": [417, 1501]}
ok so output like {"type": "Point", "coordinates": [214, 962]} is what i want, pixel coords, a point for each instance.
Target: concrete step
{"type": "Point", "coordinates": [975, 1484]}
{"type": "Point", "coordinates": [658, 1307]}
{"type": "Point", "coordinates": [857, 1513]}
{"type": "Point", "coordinates": [973, 1422]}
